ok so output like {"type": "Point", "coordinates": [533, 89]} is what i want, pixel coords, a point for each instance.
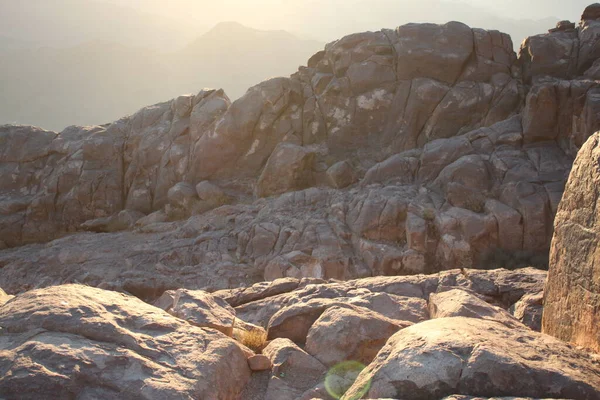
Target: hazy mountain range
{"type": "Point", "coordinates": [99, 81]}
{"type": "Point", "coordinates": [89, 62]}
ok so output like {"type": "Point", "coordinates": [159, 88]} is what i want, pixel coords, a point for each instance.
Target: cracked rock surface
{"type": "Point", "coordinates": [419, 149]}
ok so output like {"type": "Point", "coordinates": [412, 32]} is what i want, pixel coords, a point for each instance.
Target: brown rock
{"type": "Point", "coordinates": [341, 175]}
{"type": "Point", "coordinates": [341, 334]}
{"type": "Point", "coordinates": [259, 291]}
{"type": "Point", "coordinates": [440, 61]}
{"type": "Point", "coordinates": [203, 310]}
{"type": "Point", "coordinates": [436, 358]}
{"type": "Point", "coordinates": [182, 200]}
{"type": "Point", "coordinates": [124, 220]}
{"type": "Point", "coordinates": [571, 295]}
{"type": "Point", "coordinates": [458, 303]}
{"type": "Point", "coordinates": [77, 341]}
{"type": "Point", "coordinates": [166, 301]}
{"type": "Point", "coordinates": [294, 371]}
{"type": "Point", "coordinates": [294, 321]}
{"type": "Point", "coordinates": [290, 167]}
{"type": "Point", "coordinates": [259, 363]}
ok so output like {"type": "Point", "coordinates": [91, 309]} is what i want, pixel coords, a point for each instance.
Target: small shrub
{"type": "Point", "coordinates": [253, 339]}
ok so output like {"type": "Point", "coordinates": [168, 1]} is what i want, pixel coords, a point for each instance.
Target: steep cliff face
{"type": "Point", "coordinates": [571, 298]}
{"type": "Point", "coordinates": [418, 149]}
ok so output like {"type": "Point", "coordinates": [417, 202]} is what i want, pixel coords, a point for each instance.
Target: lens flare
{"type": "Point", "coordinates": [341, 377]}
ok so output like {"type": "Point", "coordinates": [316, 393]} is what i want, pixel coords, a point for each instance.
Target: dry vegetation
{"type": "Point", "coordinates": [253, 339]}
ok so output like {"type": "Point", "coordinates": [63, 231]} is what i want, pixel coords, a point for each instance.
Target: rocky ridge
{"type": "Point", "coordinates": [413, 150]}
{"type": "Point", "coordinates": [343, 190]}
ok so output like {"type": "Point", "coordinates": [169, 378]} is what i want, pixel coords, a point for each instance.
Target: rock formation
{"type": "Point", "coordinates": [403, 151]}
{"type": "Point", "coordinates": [573, 290]}
{"type": "Point", "coordinates": [285, 239]}
{"type": "Point", "coordinates": [82, 342]}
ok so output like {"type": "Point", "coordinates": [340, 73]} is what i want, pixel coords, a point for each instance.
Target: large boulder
{"type": "Point", "coordinates": [75, 341]}
{"type": "Point", "coordinates": [290, 167]}
{"type": "Point", "coordinates": [202, 309]}
{"type": "Point", "coordinates": [459, 303]}
{"type": "Point", "coordinates": [342, 334]}
{"type": "Point", "coordinates": [572, 294]}
{"type": "Point", "coordinates": [472, 356]}
{"type": "Point", "coordinates": [294, 371]}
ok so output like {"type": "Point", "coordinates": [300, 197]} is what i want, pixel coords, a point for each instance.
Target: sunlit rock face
{"type": "Point", "coordinates": [74, 341]}
{"type": "Point", "coordinates": [413, 337]}
{"type": "Point", "coordinates": [449, 355]}
{"type": "Point", "coordinates": [418, 149]}
{"type": "Point", "coordinates": [571, 298]}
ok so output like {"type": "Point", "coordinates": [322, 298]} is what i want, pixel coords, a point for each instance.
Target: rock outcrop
{"type": "Point", "coordinates": [79, 342]}
{"type": "Point", "coordinates": [477, 357]}
{"type": "Point", "coordinates": [413, 150]}
{"type": "Point", "coordinates": [338, 233]}
{"type": "Point", "coordinates": [572, 294]}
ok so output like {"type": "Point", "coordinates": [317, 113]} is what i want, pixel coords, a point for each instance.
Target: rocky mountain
{"type": "Point", "coordinates": [356, 230]}
{"type": "Point", "coordinates": [99, 80]}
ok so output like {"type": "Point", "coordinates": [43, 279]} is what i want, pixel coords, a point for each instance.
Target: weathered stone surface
{"type": "Point", "coordinates": [443, 121]}
{"type": "Point", "coordinates": [294, 371]}
{"type": "Point", "coordinates": [203, 310]}
{"type": "Point", "coordinates": [183, 199]}
{"type": "Point", "coordinates": [341, 334]}
{"type": "Point", "coordinates": [259, 291]}
{"type": "Point", "coordinates": [289, 167]}
{"type": "Point", "coordinates": [294, 322]}
{"type": "Point", "coordinates": [124, 220]}
{"type": "Point", "coordinates": [571, 295]}
{"type": "Point", "coordinates": [459, 303]}
{"type": "Point", "coordinates": [81, 342]}
{"type": "Point", "coordinates": [529, 310]}
{"type": "Point", "coordinates": [259, 363]}
{"type": "Point", "coordinates": [550, 54]}
{"type": "Point", "coordinates": [436, 358]}
{"type": "Point", "coordinates": [401, 298]}
{"type": "Point", "coordinates": [341, 175]}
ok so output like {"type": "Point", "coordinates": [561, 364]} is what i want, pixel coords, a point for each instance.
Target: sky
{"type": "Point", "coordinates": [327, 20]}
{"type": "Point", "coordinates": [273, 13]}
